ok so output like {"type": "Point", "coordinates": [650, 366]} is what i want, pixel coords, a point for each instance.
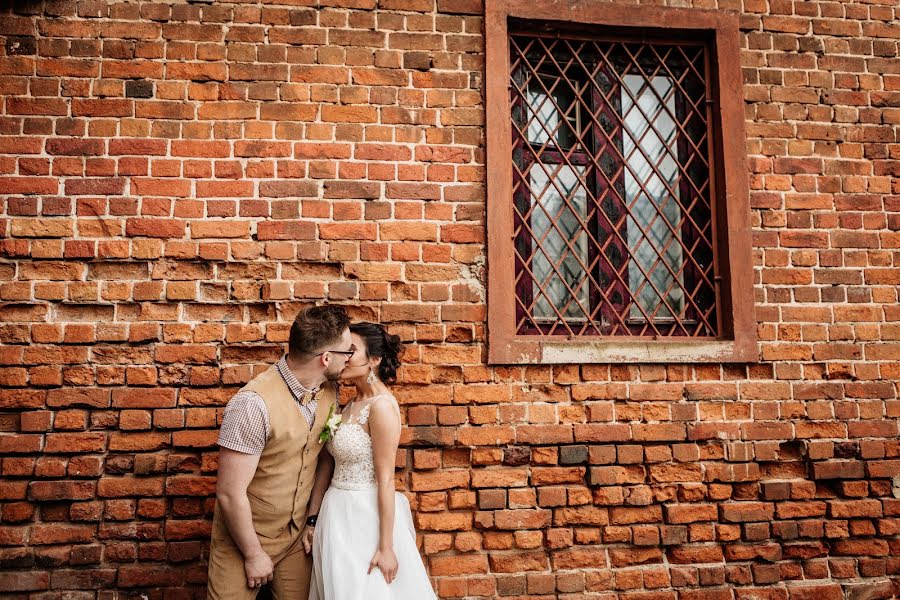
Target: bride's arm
{"type": "Point", "coordinates": [384, 429]}
{"type": "Point", "coordinates": [324, 471]}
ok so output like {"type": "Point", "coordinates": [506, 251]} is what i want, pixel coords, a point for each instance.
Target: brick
{"type": "Point", "coordinates": [690, 513]}
{"type": "Point", "coordinates": [602, 432]}
{"type": "Point", "coordinates": [75, 147]}
{"type": "Point", "coordinates": [37, 106]}
{"type": "Point", "coordinates": [579, 558]}
{"type": "Point", "coordinates": [742, 512]}
{"type": "Point", "coordinates": [838, 470]}
{"type": "Point", "coordinates": [191, 486]}
{"type": "Point", "coordinates": [522, 561]}
{"type": "Point", "coordinates": [195, 439]}
{"type": "Point", "coordinates": [458, 565]}
{"type": "Point", "coordinates": [854, 508]}
{"type": "Point", "coordinates": [185, 354]}
{"type": "Point", "coordinates": [428, 482]}
{"type": "Point", "coordinates": [125, 487]}
{"type": "Point", "coordinates": [286, 230]}
{"type": "Point", "coordinates": [24, 582]}
{"type": "Point", "coordinates": [135, 441]}
{"type": "Point", "coordinates": [43, 491]}
{"type": "Point", "coordinates": [141, 577]}
{"type": "Point", "coordinates": [767, 431]}
{"type": "Point", "coordinates": [627, 557]}
{"type": "Point", "coordinates": [144, 398]}
{"type": "Point", "coordinates": [443, 522]}
{"type": "Point", "coordinates": [522, 519]}
{"type": "Point", "coordinates": [155, 228]}
{"type": "Point", "coordinates": [349, 114]}
{"type": "Point", "coordinates": [75, 442]}
{"type": "Point", "coordinates": [55, 533]}
{"type": "Point", "coordinates": [146, 186]}
{"type": "Point", "coordinates": [87, 397]}
{"type": "Point", "coordinates": [42, 228]}
{"type": "Point", "coordinates": [493, 478]}
{"type": "Point", "coordinates": [485, 436]}
{"type": "Point", "coordinates": [810, 592]}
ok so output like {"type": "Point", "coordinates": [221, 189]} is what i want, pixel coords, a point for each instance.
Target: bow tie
{"type": "Point", "coordinates": [308, 397]}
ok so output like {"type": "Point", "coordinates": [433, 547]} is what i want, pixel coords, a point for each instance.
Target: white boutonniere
{"type": "Point", "coordinates": [331, 425]}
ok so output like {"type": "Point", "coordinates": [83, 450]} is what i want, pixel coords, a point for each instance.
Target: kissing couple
{"type": "Point", "coordinates": [305, 497]}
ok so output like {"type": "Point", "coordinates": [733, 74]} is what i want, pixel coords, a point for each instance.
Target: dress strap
{"type": "Point", "coordinates": [363, 417]}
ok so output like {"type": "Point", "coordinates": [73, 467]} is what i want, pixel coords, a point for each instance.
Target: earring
{"type": "Point", "coordinates": [371, 377]}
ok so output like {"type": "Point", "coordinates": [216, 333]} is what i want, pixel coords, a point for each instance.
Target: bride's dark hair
{"type": "Point", "coordinates": [380, 343]}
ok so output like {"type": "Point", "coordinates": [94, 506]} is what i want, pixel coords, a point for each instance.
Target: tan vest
{"type": "Point", "coordinates": [281, 486]}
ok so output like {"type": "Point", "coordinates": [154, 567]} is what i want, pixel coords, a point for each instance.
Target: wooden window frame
{"type": "Point", "coordinates": [730, 196]}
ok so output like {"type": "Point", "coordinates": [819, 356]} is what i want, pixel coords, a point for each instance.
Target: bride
{"type": "Point", "coordinates": [361, 533]}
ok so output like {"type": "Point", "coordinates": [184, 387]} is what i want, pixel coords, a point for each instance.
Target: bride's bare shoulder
{"type": "Point", "coordinates": [384, 406]}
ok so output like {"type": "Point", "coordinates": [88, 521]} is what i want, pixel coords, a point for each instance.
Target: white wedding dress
{"type": "Point", "coordinates": [346, 535]}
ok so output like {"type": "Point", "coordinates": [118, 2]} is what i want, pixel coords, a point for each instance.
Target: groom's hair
{"type": "Point", "coordinates": [316, 328]}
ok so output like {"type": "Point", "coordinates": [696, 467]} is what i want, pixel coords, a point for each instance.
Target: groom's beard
{"type": "Point", "coordinates": [333, 375]}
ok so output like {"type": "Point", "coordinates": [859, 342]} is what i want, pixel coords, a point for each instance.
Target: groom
{"type": "Point", "coordinates": [270, 446]}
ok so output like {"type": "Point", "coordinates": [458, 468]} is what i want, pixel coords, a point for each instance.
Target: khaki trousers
{"type": "Point", "coordinates": [227, 580]}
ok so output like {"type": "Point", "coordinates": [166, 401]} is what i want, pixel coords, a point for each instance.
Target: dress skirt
{"type": "Point", "coordinates": [346, 538]}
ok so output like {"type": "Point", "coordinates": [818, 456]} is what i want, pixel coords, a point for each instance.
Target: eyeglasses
{"type": "Point", "coordinates": [347, 353]}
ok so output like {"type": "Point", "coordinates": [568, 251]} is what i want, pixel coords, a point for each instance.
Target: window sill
{"type": "Point", "coordinates": [522, 350]}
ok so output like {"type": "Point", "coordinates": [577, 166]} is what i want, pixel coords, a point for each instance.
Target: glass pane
{"type": "Point", "coordinates": [651, 154]}
{"type": "Point", "coordinates": [545, 112]}
{"type": "Point", "coordinates": [557, 263]}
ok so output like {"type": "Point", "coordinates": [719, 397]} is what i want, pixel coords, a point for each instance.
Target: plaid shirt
{"type": "Point", "coordinates": [245, 425]}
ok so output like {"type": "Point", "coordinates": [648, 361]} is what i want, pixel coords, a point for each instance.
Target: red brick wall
{"type": "Point", "coordinates": [177, 180]}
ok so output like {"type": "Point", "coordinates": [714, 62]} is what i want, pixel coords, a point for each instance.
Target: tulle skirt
{"type": "Point", "coordinates": [345, 540]}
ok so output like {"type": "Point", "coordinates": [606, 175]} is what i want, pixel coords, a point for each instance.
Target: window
{"type": "Point", "coordinates": [618, 216]}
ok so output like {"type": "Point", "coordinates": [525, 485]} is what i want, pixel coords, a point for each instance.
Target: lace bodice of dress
{"type": "Point", "coordinates": [351, 447]}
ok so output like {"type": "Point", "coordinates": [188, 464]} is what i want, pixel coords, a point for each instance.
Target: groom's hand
{"type": "Point", "coordinates": [259, 569]}
{"type": "Point", "coordinates": [307, 536]}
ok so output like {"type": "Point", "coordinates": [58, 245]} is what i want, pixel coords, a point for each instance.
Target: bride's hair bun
{"type": "Point", "coordinates": [380, 343]}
